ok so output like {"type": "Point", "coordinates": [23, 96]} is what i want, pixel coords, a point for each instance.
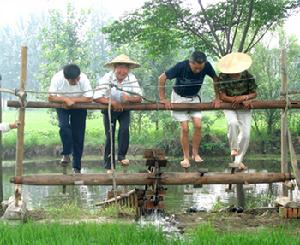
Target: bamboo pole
{"type": "Point", "coordinates": [20, 131]}
{"type": "Point", "coordinates": [284, 121]}
{"type": "Point", "coordinates": [1, 148]}
{"type": "Point", "coordinates": [294, 162]}
{"type": "Point", "coordinates": [264, 104]}
{"type": "Point", "coordinates": [171, 178]}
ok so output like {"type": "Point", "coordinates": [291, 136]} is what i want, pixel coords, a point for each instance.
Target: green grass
{"type": "Point", "coordinates": [207, 235]}
{"type": "Point", "coordinates": [70, 211]}
{"type": "Point", "coordinates": [92, 233]}
{"type": "Point", "coordinates": [40, 129]}
{"type": "Point", "coordinates": [80, 234]}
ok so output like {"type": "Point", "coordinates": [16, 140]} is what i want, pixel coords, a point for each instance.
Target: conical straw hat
{"type": "Point", "coordinates": [122, 59]}
{"type": "Point", "coordinates": [234, 63]}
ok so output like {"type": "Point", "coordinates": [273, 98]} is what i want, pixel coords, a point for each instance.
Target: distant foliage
{"type": "Point", "coordinates": [161, 26]}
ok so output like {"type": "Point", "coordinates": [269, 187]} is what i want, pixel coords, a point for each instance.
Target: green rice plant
{"type": "Point", "coordinates": [116, 211]}
{"type": "Point", "coordinates": [206, 234]}
{"type": "Point", "coordinates": [83, 233]}
{"type": "Point", "coordinates": [218, 205]}
{"type": "Point", "coordinates": [67, 211]}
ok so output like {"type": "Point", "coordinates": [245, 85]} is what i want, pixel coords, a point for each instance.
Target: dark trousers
{"type": "Point", "coordinates": [72, 130]}
{"type": "Point", "coordinates": [123, 136]}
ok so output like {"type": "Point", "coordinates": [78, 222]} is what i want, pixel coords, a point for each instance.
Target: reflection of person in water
{"type": "Point", "coordinates": [189, 76]}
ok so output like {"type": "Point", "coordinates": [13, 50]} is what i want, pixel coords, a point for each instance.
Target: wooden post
{"type": "Point", "coordinates": [1, 147]}
{"type": "Point", "coordinates": [284, 122]}
{"type": "Point", "coordinates": [240, 195]}
{"type": "Point", "coordinates": [20, 132]}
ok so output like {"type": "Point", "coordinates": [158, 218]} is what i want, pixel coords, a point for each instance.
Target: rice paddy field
{"type": "Point", "coordinates": [92, 233]}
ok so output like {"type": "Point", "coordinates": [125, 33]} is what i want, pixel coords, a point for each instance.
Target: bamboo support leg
{"type": "Point", "coordinates": [20, 131]}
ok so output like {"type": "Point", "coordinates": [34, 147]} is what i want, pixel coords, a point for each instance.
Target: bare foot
{"type": "Point", "coordinates": [185, 163]}
{"type": "Point", "coordinates": [242, 166]}
{"type": "Point", "coordinates": [124, 162]}
{"type": "Point", "coordinates": [197, 158]}
{"type": "Point", "coordinates": [234, 152]}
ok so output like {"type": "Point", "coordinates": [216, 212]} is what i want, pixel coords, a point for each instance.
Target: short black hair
{"type": "Point", "coordinates": [198, 57]}
{"type": "Point", "coordinates": [71, 71]}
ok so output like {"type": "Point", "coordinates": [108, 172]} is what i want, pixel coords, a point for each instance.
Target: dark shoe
{"type": "Point", "coordinates": [65, 160]}
{"type": "Point", "coordinates": [76, 171]}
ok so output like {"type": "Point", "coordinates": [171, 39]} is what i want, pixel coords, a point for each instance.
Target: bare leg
{"type": "Point", "coordinates": [196, 139]}
{"type": "Point", "coordinates": [184, 137]}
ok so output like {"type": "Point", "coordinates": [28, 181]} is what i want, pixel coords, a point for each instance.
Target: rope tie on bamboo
{"type": "Point", "coordinates": [287, 102]}
{"type": "Point", "coordinates": [22, 97]}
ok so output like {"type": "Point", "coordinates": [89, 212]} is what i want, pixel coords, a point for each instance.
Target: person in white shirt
{"type": "Point", "coordinates": [125, 89]}
{"type": "Point", "coordinates": [5, 127]}
{"type": "Point", "coordinates": [70, 86]}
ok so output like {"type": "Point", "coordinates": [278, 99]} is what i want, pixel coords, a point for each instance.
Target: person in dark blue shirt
{"type": "Point", "coordinates": [189, 75]}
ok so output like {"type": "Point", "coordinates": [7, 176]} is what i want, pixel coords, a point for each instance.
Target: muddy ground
{"type": "Point", "coordinates": [250, 220]}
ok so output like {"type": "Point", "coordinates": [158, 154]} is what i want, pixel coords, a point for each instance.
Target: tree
{"type": "Point", "coordinates": [161, 26]}
{"type": "Point", "coordinates": [63, 41]}
{"type": "Point", "coordinates": [11, 40]}
{"type": "Point", "coordinates": [266, 67]}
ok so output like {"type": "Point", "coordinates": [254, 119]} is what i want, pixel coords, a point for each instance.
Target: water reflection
{"type": "Point", "coordinates": [207, 197]}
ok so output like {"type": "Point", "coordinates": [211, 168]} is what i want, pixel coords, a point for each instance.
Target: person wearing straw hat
{"type": "Point", "coordinates": [237, 86]}
{"type": "Point", "coordinates": [189, 76]}
{"type": "Point", "coordinates": [70, 86]}
{"type": "Point", "coordinates": [120, 86]}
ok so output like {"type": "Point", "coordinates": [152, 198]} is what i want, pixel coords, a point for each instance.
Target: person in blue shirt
{"type": "Point", "coordinates": [189, 75]}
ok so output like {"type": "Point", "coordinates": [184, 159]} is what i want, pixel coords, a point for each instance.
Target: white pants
{"type": "Point", "coordinates": [182, 116]}
{"type": "Point", "coordinates": [239, 126]}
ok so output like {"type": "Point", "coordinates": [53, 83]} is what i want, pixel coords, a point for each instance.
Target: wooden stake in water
{"type": "Point", "coordinates": [188, 189]}
{"type": "Point", "coordinates": [20, 131]}
{"type": "Point", "coordinates": [125, 170]}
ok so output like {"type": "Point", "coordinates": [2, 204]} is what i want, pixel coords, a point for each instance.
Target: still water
{"type": "Point", "coordinates": [176, 200]}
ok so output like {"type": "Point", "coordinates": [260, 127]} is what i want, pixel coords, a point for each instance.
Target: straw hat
{"type": "Point", "coordinates": [122, 59]}
{"type": "Point", "coordinates": [234, 63]}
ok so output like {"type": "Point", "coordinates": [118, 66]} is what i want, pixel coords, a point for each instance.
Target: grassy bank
{"type": "Point", "coordinates": [92, 233]}
{"type": "Point", "coordinates": [41, 131]}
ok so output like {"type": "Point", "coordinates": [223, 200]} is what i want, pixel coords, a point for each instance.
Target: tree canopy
{"type": "Point", "coordinates": [161, 26]}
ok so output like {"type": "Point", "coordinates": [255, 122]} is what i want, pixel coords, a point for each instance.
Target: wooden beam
{"type": "Point", "coordinates": [148, 178]}
{"type": "Point", "coordinates": [265, 104]}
